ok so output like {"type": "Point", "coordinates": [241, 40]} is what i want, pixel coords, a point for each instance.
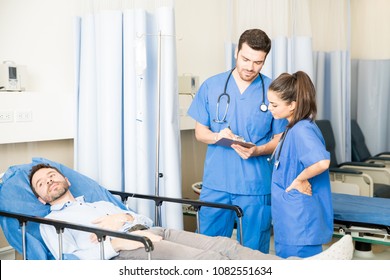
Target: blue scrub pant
{"type": "Point", "coordinates": [302, 251]}
{"type": "Point", "coordinates": [256, 221]}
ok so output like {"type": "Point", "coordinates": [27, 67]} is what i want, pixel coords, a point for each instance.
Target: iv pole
{"type": "Point", "coordinates": [158, 174]}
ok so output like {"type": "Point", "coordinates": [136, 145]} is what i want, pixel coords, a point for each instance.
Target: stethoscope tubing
{"type": "Point", "coordinates": [278, 149]}
{"type": "Point", "coordinates": [263, 106]}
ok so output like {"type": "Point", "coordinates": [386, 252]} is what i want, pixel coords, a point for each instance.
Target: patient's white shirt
{"type": "Point", "coordinates": [77, 242]}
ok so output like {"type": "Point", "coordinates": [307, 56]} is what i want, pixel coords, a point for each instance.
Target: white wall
{"type": "Point", "coordinates": [370, 29]}
{"type": "Point", "coordinates": [39, 35]}
{"type": "Point", "coordinates": [201, 33]}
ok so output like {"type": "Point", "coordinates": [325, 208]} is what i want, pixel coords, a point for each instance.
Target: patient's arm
{"type": "Point", "coordinates": [123, 244]}
{"type": "Point", "coordinates": [77, 243]}
{"type": "Point", "coordinates": [120, 222]}
{"type": "Point", "coordinates": [113, 221]}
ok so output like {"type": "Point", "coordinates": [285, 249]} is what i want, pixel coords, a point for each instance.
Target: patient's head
{"type": "Point", "coordinates": [48, 183]}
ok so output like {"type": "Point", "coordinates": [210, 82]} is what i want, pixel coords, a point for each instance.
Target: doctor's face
{"type": "Point", "coordinates": [279, 108]}
{"type": "Point", "coordinates": [49, 184]}
{"type": "Point", "coordinates": [249, 62]}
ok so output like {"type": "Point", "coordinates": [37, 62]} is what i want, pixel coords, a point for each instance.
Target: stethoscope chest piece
{"type": "Point", "coordinates": [263, 107]}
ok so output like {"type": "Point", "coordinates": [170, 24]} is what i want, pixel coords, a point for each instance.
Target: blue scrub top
{"type": "Point", "coordinates": [224, 169]}
{"type": "Point", "coordinates": [300, 219]}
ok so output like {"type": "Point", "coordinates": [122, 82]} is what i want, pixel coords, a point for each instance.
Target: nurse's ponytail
{"type": "Point", "coordinates": [306, 107]}
{"type": "Point", "coordinates": [297, 87]}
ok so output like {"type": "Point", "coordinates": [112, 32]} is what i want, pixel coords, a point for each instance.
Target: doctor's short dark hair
{"type": "Point", "coordinates": [256, 39]}
{"type": "Point", "coordinates": [37, 167]}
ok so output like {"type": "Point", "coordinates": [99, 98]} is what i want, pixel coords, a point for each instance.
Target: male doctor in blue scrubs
{"type": "Point", "coordinates": [233, 105]}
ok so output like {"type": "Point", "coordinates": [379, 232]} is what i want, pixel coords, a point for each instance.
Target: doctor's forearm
{"type": "Point", "coordinates": [205, 135]}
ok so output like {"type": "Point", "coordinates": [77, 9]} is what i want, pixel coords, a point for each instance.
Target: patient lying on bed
{"type": "Point", "coordinates": [52, 187]}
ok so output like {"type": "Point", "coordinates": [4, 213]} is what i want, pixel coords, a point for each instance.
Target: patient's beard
{"type": "Point", "coordinates": [57, 193]}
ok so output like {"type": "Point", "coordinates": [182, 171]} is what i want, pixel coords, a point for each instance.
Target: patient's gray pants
{"type": "Point", "coordinates": [183, 245]}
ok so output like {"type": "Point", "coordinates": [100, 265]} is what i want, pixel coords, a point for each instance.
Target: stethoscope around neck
{"type": "Point", "coordinates": [263, 106]}
{"type": "Point", "coordinates": [279, 149]}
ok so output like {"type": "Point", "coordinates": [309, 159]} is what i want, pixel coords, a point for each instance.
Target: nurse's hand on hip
{"type": "Point", "coordinates": [303, 186]}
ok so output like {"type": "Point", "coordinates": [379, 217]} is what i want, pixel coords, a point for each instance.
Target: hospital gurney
{"type": "Point", "coordinates": [21, 212]}
{"type": "Point", "coordinates": [367, 219]}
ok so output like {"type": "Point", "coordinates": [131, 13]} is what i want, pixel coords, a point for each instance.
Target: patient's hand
{"type": "Point", "coordinates": [113, 221]}
{"type": "Point", "coordinates": [153, 237]}
{"type": "Point", "coordinates": [120, 244]}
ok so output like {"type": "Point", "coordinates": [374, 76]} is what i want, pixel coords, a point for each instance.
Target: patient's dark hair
{"type": "Point", "coordinates": [35, 168]}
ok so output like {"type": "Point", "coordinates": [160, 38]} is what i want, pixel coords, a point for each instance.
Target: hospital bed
{"type": "Point", "coordinates": [21, 213]}
{"type": "Point", "coordinates": [377, 176]}
{"type": "Point", "coordinates": [367, 219]}
{"type": "Point", "coordinates": [360, 152]}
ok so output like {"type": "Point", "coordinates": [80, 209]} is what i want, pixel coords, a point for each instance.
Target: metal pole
{"type": "Point", "coordinates": [158, 174]}
{"type": "Point", "coordinates": [101, 241]}
{"type": "Point", "coordinates": [24, 241]}
{"type": "Point", "coordinates": [241, 231]}
{"type": "Point", "coordinates": [60, 246]}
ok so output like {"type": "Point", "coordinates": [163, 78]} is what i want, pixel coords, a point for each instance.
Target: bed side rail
{"type": "Point", "coordinates": [350, 224]}
{"type": "Point", "coordinates": [363, 233]}
{"type": "Point", "coordinates": [61, 225]}
{"type": "Point", "coordinates": [196, 204]}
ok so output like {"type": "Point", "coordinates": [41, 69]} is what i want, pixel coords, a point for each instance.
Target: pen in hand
{"type": "Point", "coordinates": [236, 137]}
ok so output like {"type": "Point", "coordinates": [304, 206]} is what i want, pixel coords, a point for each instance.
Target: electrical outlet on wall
{"type": "Point", "coordinates": [6, 116]}
{"type": "Point", "coordinates": [23, 116]}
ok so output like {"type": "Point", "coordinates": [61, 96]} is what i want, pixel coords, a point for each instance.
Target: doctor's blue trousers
{"type": "Point", "coordinates": [256, 220]}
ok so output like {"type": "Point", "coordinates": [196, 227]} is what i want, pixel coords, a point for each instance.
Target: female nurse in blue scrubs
{"type": "Point", "coordinates": [302, 211]}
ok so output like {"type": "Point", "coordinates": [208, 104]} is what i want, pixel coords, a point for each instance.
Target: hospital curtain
{"type": "Point", "coordinates": [372, 95]}
{"type": "Point", "coordinates": [127, 125]}
{"type": "Point", "coordinates": [370, 72]}
{"type": "Point", "coordinates": [307, 35]}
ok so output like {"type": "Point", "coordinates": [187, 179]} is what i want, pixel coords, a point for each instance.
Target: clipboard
{"type": "Point", "coordinates": [228, 142]}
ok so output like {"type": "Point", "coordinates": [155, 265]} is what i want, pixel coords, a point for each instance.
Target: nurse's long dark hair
{"type": "Point", "coordinates": [297, 87]}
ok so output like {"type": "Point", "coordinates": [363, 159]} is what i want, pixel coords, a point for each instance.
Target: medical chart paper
{"type": "Point", "coordinates": [228, 142]}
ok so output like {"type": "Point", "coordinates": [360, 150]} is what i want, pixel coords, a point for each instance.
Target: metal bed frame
{"type": "Point", "coordinates": [367, 222]}
{"type": "Point", "coordinates": [23, 219]}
